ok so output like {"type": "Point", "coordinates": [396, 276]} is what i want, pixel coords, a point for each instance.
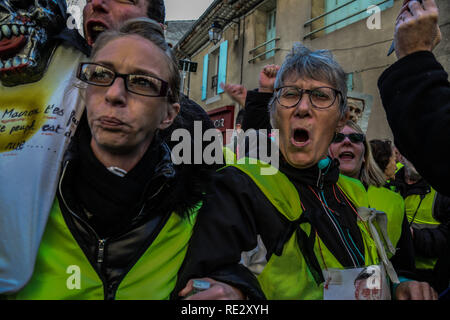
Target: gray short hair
{"type": "Point", "coordinates": [151, 30]}
{"type": "Point", "coordinates": [318, 65]}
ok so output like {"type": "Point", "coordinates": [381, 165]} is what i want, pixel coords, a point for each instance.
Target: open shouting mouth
{"type": "Point", "coordinates": [93, 30]}
{"type": "Point", "coordinates": [300, 137]}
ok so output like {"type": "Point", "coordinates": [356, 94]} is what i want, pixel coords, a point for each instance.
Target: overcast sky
{"type": "Point", "coordinates": [186, 9]}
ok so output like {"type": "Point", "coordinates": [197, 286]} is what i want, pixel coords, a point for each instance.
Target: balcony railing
{"type": "Point", "coordinates": [336, 22]}
{"type": "Point", "coordinates": [252, 51]}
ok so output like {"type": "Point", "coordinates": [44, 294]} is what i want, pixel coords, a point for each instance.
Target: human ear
{"type": "Point", "coordinates": [172, 111]}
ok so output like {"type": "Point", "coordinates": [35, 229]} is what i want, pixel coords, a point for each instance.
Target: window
{"type": "Point", "coordinates": [349, 81]}
{"type": "Point", "coordinates": [213, 68]}
{"type": "Point", "coordinates": [214, 71]}
{"type": "Point", "coordinates": [347, 12]}
{"type": "Point", "coordinates": [265, 32]}
{"type": "Point", "coordinates": [271, 33]}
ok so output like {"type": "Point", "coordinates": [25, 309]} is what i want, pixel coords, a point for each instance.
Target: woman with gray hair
{"type": "Point", "coordinates": [309, 221]}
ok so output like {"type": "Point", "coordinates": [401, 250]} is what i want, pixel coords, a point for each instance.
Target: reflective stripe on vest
{"type": "Point", "coordinates": [287, 276]}
{"type": "Point", "coordinates": [62, 271]}
{"type": "Point", "coordinates": [423, 218]}
{"type": "Point", "coordinates": [393, 205]}
{"type": "Point", "coordinates": [424, 215]}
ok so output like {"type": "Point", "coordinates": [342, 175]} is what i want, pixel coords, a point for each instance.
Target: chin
{"type": "Point", "coordinates": [300, 160]}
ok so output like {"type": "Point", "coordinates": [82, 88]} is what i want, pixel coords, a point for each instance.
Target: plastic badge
{"type": "Point", "coordinates": [369, 283]}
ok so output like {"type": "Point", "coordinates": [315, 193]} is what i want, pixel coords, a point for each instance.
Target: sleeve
{"type": "Point", "coordinates": [416, 96]}
{"type": "Point", "coordinates": [403, 260]}
{"type": "Point", "coordinates": [432, 243]}
{"type": "Point", "coordinates": [256, 114]}
{"type": "Point", "coordinates": [226, 227]}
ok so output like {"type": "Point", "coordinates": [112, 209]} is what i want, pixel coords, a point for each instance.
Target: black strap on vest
{"type": "Point", "coordinates": [306, 246]}
{"type": "Point", "coordinates": [422, 196]}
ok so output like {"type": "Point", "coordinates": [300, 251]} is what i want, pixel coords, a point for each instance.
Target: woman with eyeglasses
{"type": "Point", "coordinates": [305, 218]}
{"type": "Point", "coordinates": [124, 214]}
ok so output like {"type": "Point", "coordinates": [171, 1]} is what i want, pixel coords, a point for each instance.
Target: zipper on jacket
{"type": "Point", "coordinates": [320, 180]}
{"type": "Point", "coordinates": [101, 242]}
{"type": "Point", "coordinates": [101, 250]}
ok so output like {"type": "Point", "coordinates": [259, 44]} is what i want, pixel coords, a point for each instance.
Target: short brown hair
{"type": "Point", "coordinates": [382, 152]}
{"type": "Point", "coordinates": [152, 31]}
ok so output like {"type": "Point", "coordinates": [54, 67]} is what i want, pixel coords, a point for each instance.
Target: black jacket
{"type": "Point", "coordinates": [256, 114]}
{"type": "Point", "coordinates": [416, 96]}
{"type": "Point", "coordinates": [430, 242]}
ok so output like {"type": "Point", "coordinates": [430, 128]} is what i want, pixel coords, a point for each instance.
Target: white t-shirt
{"type": "Point", "coordinates": [36, 122]}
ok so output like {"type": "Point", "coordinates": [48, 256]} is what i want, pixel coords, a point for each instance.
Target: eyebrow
{"type": "Point", "coordinates": [134, 71]}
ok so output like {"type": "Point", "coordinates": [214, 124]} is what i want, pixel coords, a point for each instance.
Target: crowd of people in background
{"type": "Point", "coordinates": [341, 217]}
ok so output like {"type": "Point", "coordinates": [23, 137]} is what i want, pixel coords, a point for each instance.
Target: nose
{"type": "Point", "coordinates": [116, 94]}
{"type": "Point", "coordinates": [99, 5]}
{"type": "Point", "coordinates": [346, 140]}
{"type": "Point", "coordinates": [303, 107]}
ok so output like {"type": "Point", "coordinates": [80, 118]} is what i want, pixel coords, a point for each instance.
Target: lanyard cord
{"type": "Point", "coordinates": [422, 196]}
{"type": "Point", "coordinates": [320, 250]}
{"type": "Point", "coordinates": [337, 227]}
{"type": "Point", "coordinates": [354, 210]}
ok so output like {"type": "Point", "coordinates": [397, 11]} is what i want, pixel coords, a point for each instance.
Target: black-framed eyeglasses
{"type": "Point", "coordinates": [321, 97]}
{"type": "Point", "coordinates": [353, 137]}
{"type": "Point", "coordinates": [144, 85]}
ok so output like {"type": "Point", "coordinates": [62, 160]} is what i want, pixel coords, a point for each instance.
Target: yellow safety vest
{"type": "Point", "coordinates": [393, 205]}
{"type": "Point", "coordinates": [287, 276]}
{"type": "Point", "coordinates": [420, 213]}
{"type": "Point", "coordinates": [62, 270]}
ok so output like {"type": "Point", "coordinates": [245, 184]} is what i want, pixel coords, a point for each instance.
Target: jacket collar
{"type": "Point", "coordinates": [312, 176]}
{"type": "Point", "coordinates": [421, 187]}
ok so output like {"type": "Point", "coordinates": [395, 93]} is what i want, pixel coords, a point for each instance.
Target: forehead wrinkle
{"type": "Point", "coordinates": [140, 63]}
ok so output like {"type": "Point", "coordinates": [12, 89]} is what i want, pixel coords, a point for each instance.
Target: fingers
{"type": "Point", "coordinates": [271, 70]}
{"type": "Point", "coordinates": [415, 8]}
{"type": "Point", "coordinates": [425, 292]}
{"type": "Point", "coordinates": [428, 292]}
{"type": "Point", "coordinates": [190, 286]}
{"type": "Point", "coordinates": [415, 290]}
{"type": "Point", "coordinates": [186, 290]}
{"type": "Point", "coordinates": [429, 5]}
{"type": "Point", "coordinates": [217, 291]}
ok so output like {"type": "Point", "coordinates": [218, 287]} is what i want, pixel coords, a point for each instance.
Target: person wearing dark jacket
{"type": "Point", "coordinates": [428, 214]}
{"type": "Point", "coordinates": [415, 92]}
{"type": "Point", "coordinates": [124, 214]}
